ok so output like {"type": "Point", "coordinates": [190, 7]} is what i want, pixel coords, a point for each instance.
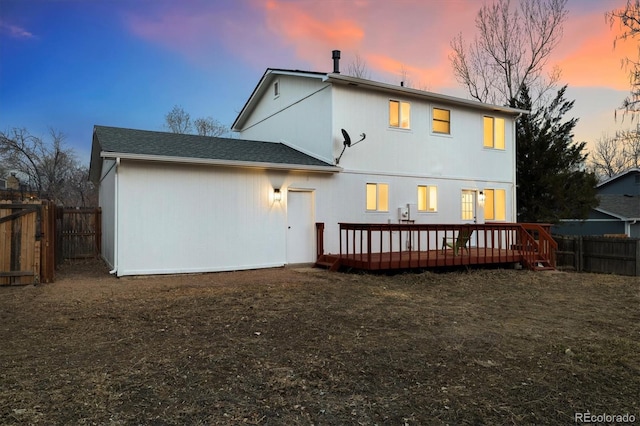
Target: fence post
{"type": "Point", "coordinates": [637, 271]}
{"type": "Point", "coordinates": [579, 254]}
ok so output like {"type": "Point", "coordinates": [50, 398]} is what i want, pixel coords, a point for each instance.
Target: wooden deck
{"type": "Point", "coordinates": [425, 259]}
{"type": "Point", "coordinates": [376, 247]}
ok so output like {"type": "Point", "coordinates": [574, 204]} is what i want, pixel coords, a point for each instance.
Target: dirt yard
{"type": "Point", "coordinates": [303, 346]}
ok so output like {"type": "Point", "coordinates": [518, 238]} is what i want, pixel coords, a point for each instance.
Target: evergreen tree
{"type": "Point", "coordinates": [552, 181]}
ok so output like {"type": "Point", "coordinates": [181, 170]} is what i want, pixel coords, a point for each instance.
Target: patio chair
{"type": "Point", "coordinates": [459, 242]}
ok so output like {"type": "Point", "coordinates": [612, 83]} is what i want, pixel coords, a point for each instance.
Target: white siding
{"type": "Point", "coordinates": [342, 198]}
{"type": "Point", "coordinates": [417, 151]}
{"type": "Point", "coordinates": [184, 218]}
{"type": "Point", "coordinates": [181, 218]}
{"type": "Point", "coordinates": [106, 201]}
{"type": "Point", "coordinates": [299, 117]}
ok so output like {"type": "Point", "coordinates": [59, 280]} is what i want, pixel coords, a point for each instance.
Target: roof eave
{"type": "Point", "coordinates": [219, 162]}
{"type": "Point", "coordinates": [617, 176]}
{"type": "Point", "coordinates": [354, 81]}
{"type": "Point", "coordinates": [95, 165]}
{"type": "Point", "coordinates": [616, 215]}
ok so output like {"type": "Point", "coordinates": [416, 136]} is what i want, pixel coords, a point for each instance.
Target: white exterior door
{"type": "Point", "coordinates": [469, 206]}
{"type": "Point", "coordinates": [300, 227]}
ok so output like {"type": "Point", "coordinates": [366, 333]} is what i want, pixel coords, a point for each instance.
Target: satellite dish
{"type": "Point", "coordinates": [347, 142]}
{"type": "Point", "coordinates": [347, 138]}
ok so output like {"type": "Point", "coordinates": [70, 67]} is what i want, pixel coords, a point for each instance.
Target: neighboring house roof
{"type": "Point", "coordinates": [618, 176]}
{"type": "Point", "coordinates": [624, 207]}
{"type": "Point", "coordinates": [336, 78]}
{"type": "Point", "coordinates": [115, 142]}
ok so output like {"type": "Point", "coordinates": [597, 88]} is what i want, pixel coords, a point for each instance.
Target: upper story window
{"type": "Point", "coordinates": [441, 121]}
{"type": "Point", "coordinates": [378, 197]}
{"type": "Point", "coordinates": [399, 114]}
{"type": "Point", "coordinates": [494, 132]}
{"type": "Point", "coordinates": [427, 198]}
{"type": "Point", "coordinates": [276, 88]}
{"type": "Point", "coordinates": [495, 204]}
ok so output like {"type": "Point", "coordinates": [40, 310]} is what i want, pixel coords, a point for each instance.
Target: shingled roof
{"type": "Point", "coordinates": [620, 205]}
{"type": "Point", "coordinates": [163, 146]}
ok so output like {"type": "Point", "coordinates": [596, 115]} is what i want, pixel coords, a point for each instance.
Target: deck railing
{"type": "Point", "coordinates": [394, 246]}
{"type": "Point", "coordinates": [539, 236]}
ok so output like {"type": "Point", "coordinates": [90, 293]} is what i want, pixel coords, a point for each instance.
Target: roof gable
{"type": "Point", "coordinates": [263, 85]}
{"type": "Point", "coordinates": [622, 180]}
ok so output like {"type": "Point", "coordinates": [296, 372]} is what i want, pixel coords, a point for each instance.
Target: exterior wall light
{"type": "Point", "coordinates": [481, 198]}
{"type": "Point", "coordinates": [277, 195]}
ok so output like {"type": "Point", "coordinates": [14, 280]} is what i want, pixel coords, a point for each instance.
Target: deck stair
{"type": "Point", "coordinates": [541, 264]}
{"type": "Point", "coordinates": [328, 261]}
{"type": "Point", "coordinates": [543, 245]}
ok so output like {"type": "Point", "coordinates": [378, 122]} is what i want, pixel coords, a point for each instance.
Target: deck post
{"type": "Point", "coordinates": [319, 239]}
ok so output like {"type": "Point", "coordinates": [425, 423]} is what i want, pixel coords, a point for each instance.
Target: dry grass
{"type": "Point", "coordinates": [289, 346]}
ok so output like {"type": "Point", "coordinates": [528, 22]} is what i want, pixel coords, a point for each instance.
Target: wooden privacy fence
{"type": "Point", "coordinates": [78, 233]}
{"type": "Point", "coordinates": [26, 242]}
{"type": "Point", "coordinates": [606, 255]}
{"type": "Point", "coordinates": [35, 236]}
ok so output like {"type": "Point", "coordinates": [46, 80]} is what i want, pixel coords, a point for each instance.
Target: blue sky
{"type": "Point", "coordinates": [71, 64]}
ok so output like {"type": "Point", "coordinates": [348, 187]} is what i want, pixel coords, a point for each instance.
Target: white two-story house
{"type": "Point", "coordinates": [311, 147]}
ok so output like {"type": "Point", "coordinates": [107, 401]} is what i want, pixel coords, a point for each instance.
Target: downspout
{"type": "Point", "coordinates": [627, 226]}
{"type": "Point", "coordinates": [115, 218]}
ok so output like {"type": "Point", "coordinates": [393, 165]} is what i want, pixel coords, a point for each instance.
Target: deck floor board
{"type": "Point", "coordinates": [428, 259]}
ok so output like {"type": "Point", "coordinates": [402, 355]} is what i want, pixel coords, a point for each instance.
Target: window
{"type": "Point", "coordinates": [427, 198]}
{"type": "Point", "coordinates": [276, 89]}
{"type": "Point", "coordinates": [441, 121]}
{"type": "Point", "coordinates": [495, 204]}
{"type": "Point", "coordinates": [399, 114]}
{"type": "Point", "coordinates": [378, 197]}
{"type": "Point", "coordinates": [494, 132]}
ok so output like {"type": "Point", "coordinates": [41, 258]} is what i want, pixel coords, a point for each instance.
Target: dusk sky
{"type": "Point", "coordinates": [71, 64]}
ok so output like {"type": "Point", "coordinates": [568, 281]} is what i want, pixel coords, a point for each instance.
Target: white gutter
{"type": "Point", "coordinates": [115, 219]}
{"type": "Point", "coordinates": [217, 162]}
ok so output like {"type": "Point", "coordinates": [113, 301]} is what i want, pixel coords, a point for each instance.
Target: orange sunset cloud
{"type": "Point", "coordinates": [311, 31]}
{"type": "Point", "coordinates": [593, 61]}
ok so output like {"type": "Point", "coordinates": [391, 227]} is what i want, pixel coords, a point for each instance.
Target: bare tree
{"type": "Point", "coordinates": [48, 166]}
{"type": "Point", "coordinates": [631, 147]}
{"type": "Point", "coordinates": [511, 50]}
{"type": "Point", "coordinates": [178, 120]}
{"type": "Point", "coordinates": [606, 158]}
{"type": "Point", "coordinates": [209, 127]}
{"type": "Point", "coordinates": [358, 68]}
{"type": "Point", "coordinates": [80, 192]}
{"type": "Point", "coordinates": [614, 155]}
{"type": "Point", "coordinates": [628, 18]}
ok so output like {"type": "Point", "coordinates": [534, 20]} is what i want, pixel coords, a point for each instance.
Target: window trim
{"type": "Point", "coordinates": [427, 199]}
{"type": "Point", "coordinates": [495, 132]}
{"type": "Point", "coordinates": [400, 116]}
{"type": "Point", "coordinates": [494, 209]}
{"type": "Point", "coordinates": [377, 199]}
{"type": "Point", "coordinates": [276, 89]}
{"type": "Point", "coordinates": [433, 120]}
